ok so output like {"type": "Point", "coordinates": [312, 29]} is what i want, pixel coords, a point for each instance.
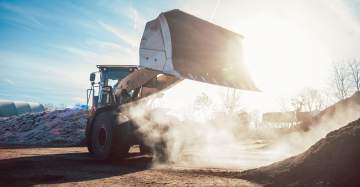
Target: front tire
{"type": "Point", "coordinates": [106, 140]}
{"type": "Point", "coordinates": [88, 136]}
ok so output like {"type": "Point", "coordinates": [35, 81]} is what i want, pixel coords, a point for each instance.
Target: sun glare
{"type": "Point", "coordinates": [283, 57]}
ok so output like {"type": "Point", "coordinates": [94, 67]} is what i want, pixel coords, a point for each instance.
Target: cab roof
{"type": "Point", "coordinates": [116, 66]}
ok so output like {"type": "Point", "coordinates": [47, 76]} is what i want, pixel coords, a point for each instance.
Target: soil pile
{"type": "Point", "coordinates": [55, 128]}
{"type": "Point", "coordinates": [332, 161]}
{"type": "Point", "coordinates": [339, 113]}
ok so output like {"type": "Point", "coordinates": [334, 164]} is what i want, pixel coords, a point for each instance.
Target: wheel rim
{"type": "Point", "coordinates": [102, 137]}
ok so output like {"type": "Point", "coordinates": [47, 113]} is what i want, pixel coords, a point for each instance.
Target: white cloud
{"type": "Point", "coordinates": [8, 81]}
{"type": "Point", "coordinates": [137, 19]}
{"type": "Point", "coordinates": [26, 13]}
{"type": "Point", "coordinates": [103, 53]}
{"type": "Point", "coordinates": [215, 9]}
{"type": "Point", "coordinates": [111, 46]}
{"type": "Point", "coordinates": [131, 40]}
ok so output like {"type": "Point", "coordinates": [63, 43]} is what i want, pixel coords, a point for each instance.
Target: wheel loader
{"type": "Point", "coordinates": [174, 46]}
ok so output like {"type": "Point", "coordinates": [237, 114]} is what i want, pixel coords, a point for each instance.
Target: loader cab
{"type": "Point", "coordinates": [103, 82]}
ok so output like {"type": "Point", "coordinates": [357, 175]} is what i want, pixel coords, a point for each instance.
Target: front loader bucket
{"type": "Point", "coordinates": [185, 46]}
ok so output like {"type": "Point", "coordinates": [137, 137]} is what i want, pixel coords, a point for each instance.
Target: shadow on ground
{"type": "Point", "coordinates": [70, 167]}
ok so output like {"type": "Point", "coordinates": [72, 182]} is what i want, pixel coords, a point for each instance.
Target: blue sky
{"type": "Point", "coordinates": [48, 48]}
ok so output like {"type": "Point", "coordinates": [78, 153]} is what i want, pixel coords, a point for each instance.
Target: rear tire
{"type": "Point", "coordinates": [107, 141]}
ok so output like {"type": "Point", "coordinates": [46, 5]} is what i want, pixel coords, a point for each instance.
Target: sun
{"type": "Point", "coordinates": [283, 57]}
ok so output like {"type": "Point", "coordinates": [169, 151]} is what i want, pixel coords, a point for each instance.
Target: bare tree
{"type": "Point", "coordinates": [308, 100]}
{"type": "Point", "coordinates": [354, 68]}
{"type": "Point", "coordinates": [232, 100]}
{"type": "Point", "coordinates": [202, 101]}
{"type": "Point", "coordinates": [297, 103]}
{"type": "Point", "coordinates": [341, 80]}
{"type": "Point", "coordinates": [312, 100]}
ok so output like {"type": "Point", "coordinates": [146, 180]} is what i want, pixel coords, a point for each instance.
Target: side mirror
{"type": "Point", "coordinates": [92, 77]}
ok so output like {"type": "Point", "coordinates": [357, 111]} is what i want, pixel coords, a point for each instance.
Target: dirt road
{"type": "Point", "coordinates": [73, 166]}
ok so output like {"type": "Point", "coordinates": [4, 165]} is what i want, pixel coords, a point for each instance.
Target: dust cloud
{"type": "Point", "coordinates": [225, 141]}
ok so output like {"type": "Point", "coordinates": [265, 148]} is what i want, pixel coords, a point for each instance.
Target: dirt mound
{"type": "Point", "coordinates": [348, 108]}
{"type": "Point", "coordinates": [332, 161]}
{"type": "Point", "coordinates": [59, 127]}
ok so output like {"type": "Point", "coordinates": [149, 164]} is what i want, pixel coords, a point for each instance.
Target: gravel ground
{"type": "Point", "coordinates": [73, 166]}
